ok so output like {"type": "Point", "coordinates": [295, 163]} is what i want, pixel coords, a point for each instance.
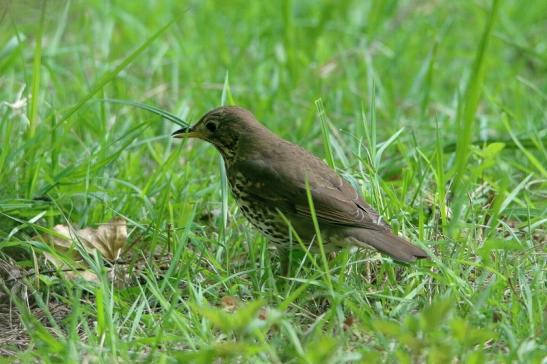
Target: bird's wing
{"type": "Point", "coordinates": [335, 201]}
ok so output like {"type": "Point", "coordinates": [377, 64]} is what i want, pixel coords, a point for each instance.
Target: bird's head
{"type": "Point", "coordinates": [223, 127]}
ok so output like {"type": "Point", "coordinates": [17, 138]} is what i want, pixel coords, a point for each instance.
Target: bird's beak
{"type": "Point", "coordinates": [187, 132]}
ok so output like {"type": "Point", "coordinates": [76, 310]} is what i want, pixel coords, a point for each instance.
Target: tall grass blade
{"type": "Point", "coordinates": [319, 237]}
{"type": "Point", "coordinates": [533, 160]}
{"type": "Point", "coordinates": [36, 74]}
{"type": "Point", "coordinates": [226, 92]}
{"type": "Point", "coordinates": [467, 123]}
{"type": "Point", "coordinates": [153, 109]}
{"type": "Point", "coordinates": [226, 95]}
{"type": "Point", "coordinates": [109, 76]}
{"type": "Point", "coordinates": [325, 132]}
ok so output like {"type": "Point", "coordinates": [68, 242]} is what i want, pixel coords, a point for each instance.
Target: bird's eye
{"type": "Point", "coordinates": [211, 126]}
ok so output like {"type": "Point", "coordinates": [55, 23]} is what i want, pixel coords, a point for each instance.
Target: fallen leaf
{"type": "Point", "coordinates": [86, 275]}
{"type": "Point", "coordinates": [348, 323]}
{"type": "Point", "coordinates": [108, 239]}
{"type": "Point", "coordinates": [263, 314]}
{"type": "Point", "coordinates": [229, 303]}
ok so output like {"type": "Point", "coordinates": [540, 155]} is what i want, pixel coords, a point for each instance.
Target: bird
{"type": "Point", "coordinates": [271, 179]}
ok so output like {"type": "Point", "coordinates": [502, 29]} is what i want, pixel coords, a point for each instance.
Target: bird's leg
{"type": "Point", "coordinates": [285, 262]}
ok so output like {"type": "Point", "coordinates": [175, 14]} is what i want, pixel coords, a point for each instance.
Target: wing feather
{"type": "Point", "coordinates": [335, 200]}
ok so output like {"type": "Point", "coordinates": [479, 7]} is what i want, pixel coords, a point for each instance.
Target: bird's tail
{"type": "Point", "coordinates": [394, 246]}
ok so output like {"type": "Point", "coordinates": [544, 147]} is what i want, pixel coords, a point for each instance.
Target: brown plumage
{"type": "Point", "coordinates": [268, 177]}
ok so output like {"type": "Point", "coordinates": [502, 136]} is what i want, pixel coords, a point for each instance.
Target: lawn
{"type": "Point", "coordinates": [436, 111]}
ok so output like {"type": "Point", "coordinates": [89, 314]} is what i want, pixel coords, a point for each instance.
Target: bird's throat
{"type": "Point", "coordinates": [228, 151]}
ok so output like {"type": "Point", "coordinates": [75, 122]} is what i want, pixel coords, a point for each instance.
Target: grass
{"type": "Point", "coordinates": [434, 110]}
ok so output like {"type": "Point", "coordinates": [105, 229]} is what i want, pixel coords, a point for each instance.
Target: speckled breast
{"type": "Point", "coordinates": [264, 218]}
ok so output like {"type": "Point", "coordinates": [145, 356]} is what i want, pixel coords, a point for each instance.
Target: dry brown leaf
{"type": "Point", "coordinates": [263, 314]}
{"type": "Point", "coordinates": [86, 275]}
{"type": "Point", "coordinates": [229, 303]}
{"type": "Point", "coordinates": [108, 239]}
{"type": "Point", "coordinates": [348, 323]}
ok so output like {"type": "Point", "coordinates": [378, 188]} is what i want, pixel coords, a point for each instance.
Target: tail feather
{"type": "Point", "coordinates": [394, 246]}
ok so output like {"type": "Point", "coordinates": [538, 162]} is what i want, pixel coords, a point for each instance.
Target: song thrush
{"type": "Point", "coordinates": [269, 176]}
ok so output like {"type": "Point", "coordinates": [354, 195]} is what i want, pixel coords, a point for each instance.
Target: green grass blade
{"type": "Point", "coordinates": [319, 238]}
{"type": "Point", "coordinates": [325, 132]}
{"type": "Point", "coordinates": [533, 160]}
{"type": "Point", "coordinates": [109, 76]}
{"type": "Point", "coordinates": [440, 178]}
{"type": "Point", "coordinates": [226, 98]}
{"type": "Point", "coordinates": [467, 124]}
{"type": "Point", "coordinates": [36, 68]}
{"type": "Point", "coordinates": [153, 109]}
